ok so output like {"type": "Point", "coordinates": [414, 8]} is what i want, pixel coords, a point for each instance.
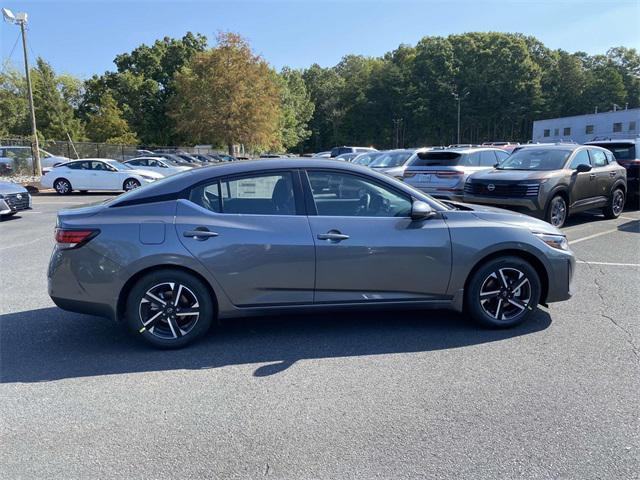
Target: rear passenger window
{"type": "Point", "coordinates": [598, 158]}
{"type": "Point", "coordinates": [470, 159]}
{"type": "Point", "coordinates": [255, 195]}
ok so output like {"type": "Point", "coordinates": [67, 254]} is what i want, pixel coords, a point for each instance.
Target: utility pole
{"type": "Point", "coordinates": [459, 100]}
{"type": "Point", "coordinates": [21, 19]}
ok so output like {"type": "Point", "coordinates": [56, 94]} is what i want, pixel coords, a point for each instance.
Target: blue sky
{"type": "Point", "coordinates": [83, 37]}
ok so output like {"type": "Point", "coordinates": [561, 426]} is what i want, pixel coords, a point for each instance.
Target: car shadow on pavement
{"type": "Point", "coordinates": [632, 226]}
{"type": "Point", "coordinates": [50, 344]}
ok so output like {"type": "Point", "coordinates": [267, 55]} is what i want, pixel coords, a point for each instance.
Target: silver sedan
{"type": "Point", "coordinates": [269, 236]}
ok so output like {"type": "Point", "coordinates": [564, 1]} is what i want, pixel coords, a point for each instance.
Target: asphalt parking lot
{"type": "Point", "coordinates": [384, 395]}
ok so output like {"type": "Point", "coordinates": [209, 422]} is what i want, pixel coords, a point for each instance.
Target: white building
{"type": "Point", "coordinates": [583, 128]}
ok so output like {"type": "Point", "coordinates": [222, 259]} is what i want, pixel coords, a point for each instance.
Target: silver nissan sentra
{"type": "Point", "coordinates": [270, 236]}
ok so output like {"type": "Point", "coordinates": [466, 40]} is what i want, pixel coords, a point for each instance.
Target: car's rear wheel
{"type": "Point", "coordinates": [616, 205]}
{"type": "Point", "coordinates": [503, 292]}
{"type": "Point", "coordinates": [62, 186]}
{"type": "Point", "coordinates": [169, 308]}
{"type": "Point", "coordinates": [130, 184]}
{"type": "Point", "coordinates": [557, 211]}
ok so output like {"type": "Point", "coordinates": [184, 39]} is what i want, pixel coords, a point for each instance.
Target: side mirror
{"type": "Point", "coordinates": [495, 165]}
{"type": "Point", "coordinates": [421, 210]}
{"type": "Point", "coordinates": [583, 168]}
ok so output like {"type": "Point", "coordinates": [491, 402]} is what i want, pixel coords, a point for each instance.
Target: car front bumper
{"type": "Point", "coordinates": [530, 206]}
{"type": "Point", "coordinates": [15, 202]}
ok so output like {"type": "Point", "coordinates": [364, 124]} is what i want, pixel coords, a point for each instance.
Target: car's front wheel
{"type": "Point", "coordinates": [62, 186]}
{"type": "Point", "coordinates": [557, 211]}
{"type": "Point", "coordinates": [169, 308]}
{"type": "Point", "coordinates": [616, 204]}
{"type": "Point", "coordinates": [503, 292]}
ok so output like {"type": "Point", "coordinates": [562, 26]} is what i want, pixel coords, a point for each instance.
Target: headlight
{"type": "Point", "coordinates": [558, 242]}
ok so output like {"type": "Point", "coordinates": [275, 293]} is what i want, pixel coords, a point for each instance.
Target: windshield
{"type": "Point", "coordinates": [391, 159]}
{"type": "Point", "coordinates": [366, 158]}
{"type": "Point", "coordinates": [622, 151]}
{"type": "Point", "coordinates": [536, 159]}
{"type": "Point", "coordinates": [118, 165]}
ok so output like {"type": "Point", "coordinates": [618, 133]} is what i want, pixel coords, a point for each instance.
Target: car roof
{"type": "Point", "coordinates": [629, 141]}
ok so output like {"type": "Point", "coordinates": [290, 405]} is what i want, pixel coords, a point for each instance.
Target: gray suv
{"type": "Point", "coordinates": [553, 181]}
{"type": "Point", "coordinates": [268, 236]}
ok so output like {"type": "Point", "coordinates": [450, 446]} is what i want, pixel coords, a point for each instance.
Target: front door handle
{"type": "Point", "coordinates": [200, 233]}
{"type": "Point", "coordinates": [592, 175]}
{"type": "Point", "coordinates": [612, 174]}
{"type": "Point", "coordinates": [333, 235]}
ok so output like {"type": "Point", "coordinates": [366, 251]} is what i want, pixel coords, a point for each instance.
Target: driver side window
{"type": "Point", "coordinates": [581, 158]}
{"type": "Point", "coordinates": [345, 195]}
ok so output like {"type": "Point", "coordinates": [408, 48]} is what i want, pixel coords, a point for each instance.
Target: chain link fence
{"type": "Point", "coordinates": [16, 153]}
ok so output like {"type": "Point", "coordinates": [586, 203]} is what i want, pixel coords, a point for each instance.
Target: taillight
{"type": "Point", "coordinates": [67, 238]}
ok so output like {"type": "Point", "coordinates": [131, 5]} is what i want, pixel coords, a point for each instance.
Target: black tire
{"type": "Point", "coordinates": [557, 211]}
{"type": "Point", "coordinates": [169, 326]}
{"type": "Point", "coordinates": [485, 309]}
{"type": "Point", "coordinates": [616, 204]}
{"type": "Point", "coordinates": [130, 184]}
{"type": "Point", "coordinates": [62, 186]}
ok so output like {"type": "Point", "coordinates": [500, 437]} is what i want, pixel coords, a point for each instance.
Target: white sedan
{"type": "Point", "coordinates": [96, 174]}
{"type": "Point", "coordinates": [157, 164]}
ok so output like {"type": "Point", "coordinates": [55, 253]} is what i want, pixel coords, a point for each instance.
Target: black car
{"type": "Point", "coordinates": [552, 182]}
{"type": "Point", "coordinates": [627, 153]}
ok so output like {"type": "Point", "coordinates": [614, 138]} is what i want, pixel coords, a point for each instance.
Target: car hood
{"type": "Point", "coordinates": [8, 188]}
{"type": "Point", "coordinates": [510, 175]}
{"type": "Point", "coordinates": [492, 214]}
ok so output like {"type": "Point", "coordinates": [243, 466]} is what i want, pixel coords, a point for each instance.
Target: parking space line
{"type": "Point", "coordinates": [612, 264]}
{"type": "Point", "coordinates": [589, 237]}
{"type": "Point", "coordinates": [35, 240]}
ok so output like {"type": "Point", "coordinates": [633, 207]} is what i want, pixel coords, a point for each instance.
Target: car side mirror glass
{"type": "Point", "coordinates": [421, 210]}
{"type": "Point", "coordinates": [583, 168]}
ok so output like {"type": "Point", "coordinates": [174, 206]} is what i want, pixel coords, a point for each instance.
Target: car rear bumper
{"type": "Point", "coordinates": [77, 275]}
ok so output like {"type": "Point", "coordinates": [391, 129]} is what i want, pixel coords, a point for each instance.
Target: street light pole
{"type": "Point", "coordinates": [21, 19]}
{"type": "Point", "coordinates": [459, 100]}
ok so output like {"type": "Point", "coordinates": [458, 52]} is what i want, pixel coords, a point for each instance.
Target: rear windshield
{"type": "Point", "coordinates": [428, 159]}
{"type": "Point", "coordinates": [536, 159]}
{"type": "Point", "coordinates": [622, 151]}
{"type": "Point", "coordinates": [391, 159]}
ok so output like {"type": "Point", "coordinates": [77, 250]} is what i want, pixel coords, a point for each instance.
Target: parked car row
{"type": "Point", "coordinates": [548, 181]}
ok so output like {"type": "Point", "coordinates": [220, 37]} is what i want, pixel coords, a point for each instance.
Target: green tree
{"type": "Point", "coordinates": [143, 86]}
{"type": "Point", "coordinates": [106, 124]}
{"type": "Point", "coordinates": [296, 108]}
{"type": "Point", "coordinates": [228, 95]}
{"type": "Point", "coordinates": [13, 104]}
{"type": "Point", "coordinates": [55, 116]}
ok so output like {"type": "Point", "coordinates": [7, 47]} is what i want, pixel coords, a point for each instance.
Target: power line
{"type": "Point", "coordinates": [6, 62]}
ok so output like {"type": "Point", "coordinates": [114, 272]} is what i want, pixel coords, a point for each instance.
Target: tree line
{"type": "Point", "coordinates": [183, 92]}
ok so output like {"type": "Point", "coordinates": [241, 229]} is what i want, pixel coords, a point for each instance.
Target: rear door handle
{"type": "Point", "coordinates": [612, 174]}
{"type": "Point", "coordinates": [200, 233]}
{"type": "Point", "coordinates": [333, 236]}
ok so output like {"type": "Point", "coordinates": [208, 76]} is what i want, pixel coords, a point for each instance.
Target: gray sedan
{"type": "Point", "coordinates": [13, 198]}
{"type": "Point", "coordinates": [273, 236]}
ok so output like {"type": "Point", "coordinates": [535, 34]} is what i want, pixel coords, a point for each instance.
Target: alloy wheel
{"type": "Point", "coordinates": [62, 187]}
{"type": "Point", "coordinates": [130, 185]}
{"type": "Point", "coordinates": [558, 212]}
{"type": "Point", "coordinates": [169, 310]}
{"type": "Point", "coordinates": [505, 294]}
{"type": "Point", "coordinates": [618, 202]}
